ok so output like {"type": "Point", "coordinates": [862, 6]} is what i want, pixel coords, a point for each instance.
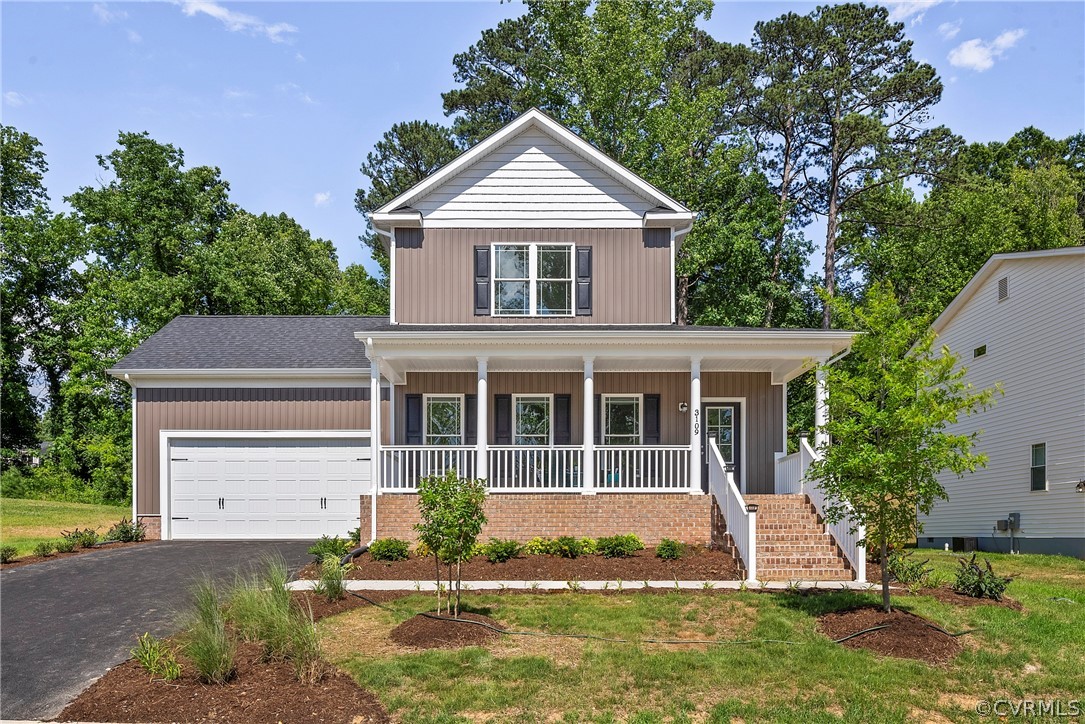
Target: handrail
{"type": "Point", "coordinates": [740, 518]}
{"type": "Point", "coordinates": [842, 529]}
{"type": "Point", "coordinates": [403, 466]}
{"type": "Point", "coordinates": [642, 468]}
{"type": "Point", "coordinates": [528, 468]}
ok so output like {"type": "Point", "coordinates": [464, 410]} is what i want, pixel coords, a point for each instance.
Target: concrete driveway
{"type": "Point", "coordinates": [64, 623]}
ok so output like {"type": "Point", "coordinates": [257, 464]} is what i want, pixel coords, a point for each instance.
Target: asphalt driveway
{"type": "Point", "coordinates": [64, 623]}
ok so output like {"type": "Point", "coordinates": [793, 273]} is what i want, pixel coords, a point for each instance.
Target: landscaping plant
{"type": "Point", "coordinates": [905, 569]}
{"type": "Point", "coordinates": [65, 545]}
{"type": "Point", "coordinates": [329, 545]}
{"type": "Point", "coordinates": [590, 546]}
{"type": "Point", "coordinates": [8, 553]}
{"type": "Point", "coordinates": [451, 509]}
{"type": "Point", "coordinates": [539, 547]}
{"type": "Point", "coordinates": [619, 546]}
{"type": "Point", "coordinates": [207, 641]}
{"type": "Point", "coordinates": [157, 658]}
{"type": "Point", "coordinates": [330, 585]}
{"type": "Point", "coordinates": [44, 548]}
{"type": "Point", "coordinates": [669, 550]}
{"type": "Point", "coordinates": [567, 547]}
{"type": "Point", "coordinates": [389, 549]}
{"type": "Point", "coordinates": [82, 538]}
{"type": "Point", "coordinates": [355, 537]}
{"type": "Point", "coordinates": [127, 531]}
{"type": "Point", "coordinates": [500, 551]}
{"type": "Point", "coordinates": [978, 581]}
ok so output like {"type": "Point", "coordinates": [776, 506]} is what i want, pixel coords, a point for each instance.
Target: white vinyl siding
{"type": "Point", "coordinates": [1035, 341]}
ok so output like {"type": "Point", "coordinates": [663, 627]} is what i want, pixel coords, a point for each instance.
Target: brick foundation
{"type": "Point", "coordinates": [153, 525]}
{"type": "Point", "coordinates": [523, 516]}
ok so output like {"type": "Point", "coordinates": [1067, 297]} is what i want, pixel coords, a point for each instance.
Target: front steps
{"type": "Point", "coordinates": [792, 543]}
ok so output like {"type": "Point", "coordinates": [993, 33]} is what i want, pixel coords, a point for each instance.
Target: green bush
{"type": "Point", "coordinates": [8, 553]}
{"type": "Point", "coordinates": [126, 531]}
{"type": "Point", "coordinates": [157, 658]}
{"type": "Point", "coordinates": [905, 569]}
{"type": "Point", "coordinates": [48, 483]}
{"type": "Point", "coordinates": [355, 537]}
{"type": "Point", "coordinates": [326, 546]}
{"type": "Point", "coordinates": [568, 547]}
{"type": "Point", "coordinates": [330, 585]}
{"type": "Point", "coordinates": [979, 582]}
{"type": "Point", "coordinates": [82, 538]}
{"type": "Point", "coordinates": [500, 551]}
{"type": "Point", "coordinates": [590, 546]}
{"type": "Point", "coordinates": [207, 641]}
{"type": "Point", "coordinates": [45, 548]}
{"type": "Point", "coordinates": [389, 549]}
{"type": "Point", "coordinates": [619, 546]}
{"type": "Point", "coordinates": [669, 550]}
{"type": "Point", "coordinates": [65, 545]}
{"type": "Point", "coordinates": [539, 547]}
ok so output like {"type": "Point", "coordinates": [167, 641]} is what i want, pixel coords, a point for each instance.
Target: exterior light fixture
{"type": "Point", "coordinates": [683, 407]}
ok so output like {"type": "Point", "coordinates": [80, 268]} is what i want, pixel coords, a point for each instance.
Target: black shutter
{"type": "Point", "coordinates": [413, 405]}
{"type": "Point", "coordinates": [651, 420]}
{"type": "Point", "coordinates": [563, 424]}
{"type": "Point", "coordinates": [657, 238]}
{"type": "Point", "coordinates": [367, 394]}
{"type": "Point", "coordinates": [598, 419]}
{"type": "Point", "coordinates": [482, 281]}
{"type": "Point", "coordinates": [470, 419]}
{"type": "Point", "coordinates": [386, 394]}
{"type": "Point", "coordinates": [502, 419]}
{"type": "Point", "coordinates": [408, 238]}
{"type": "Point", "coordinates": [583, 281]}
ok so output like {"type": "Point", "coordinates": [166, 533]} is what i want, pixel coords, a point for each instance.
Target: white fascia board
{"type": "Point", "coordinates": [633, 335]}
{"type": "Point", "coordinates": [543, 122]}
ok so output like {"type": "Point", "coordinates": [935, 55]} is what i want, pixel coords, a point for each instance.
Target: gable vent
{"type": "Point", "coordinates": [1003, 288]}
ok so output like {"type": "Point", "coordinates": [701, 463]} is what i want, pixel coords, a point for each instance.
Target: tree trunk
{"type": "Point", "coordinates": [778, 242]}
{"type": "Point", "coordinates": [437, 565]}
{"type": "Point", "coordinates": [449, 608]}
{"type": "Point", "coordinates": [831, 226]}
{"type": "Point", "coordinates": [681, 305]}
{"type": "Point", "coordinates": [885, 577]}
{"type": "Point", "coordinates": [459, 578]}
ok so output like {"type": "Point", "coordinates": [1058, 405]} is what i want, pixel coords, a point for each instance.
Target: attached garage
{"type": "Point", "coordinates": [272, 486]}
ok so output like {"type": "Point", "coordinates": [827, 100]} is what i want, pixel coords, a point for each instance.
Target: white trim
{"type": "Point", "coordinates": [1031, 467]}
{"type": "Point", "coordinates": [165, 438]}
{"type": "Point", "coordinates": [392, 277]}
{"type": "Point", "coordinates": [603, 417]}
{"type": "Point", "coordinates": [532, 279]}
{"type": "Point", "coordinates": [550, 401]}
{"type": "Point", "coordinates": [742, 414]}
{"type": "Point", "coordinates": [135, 467]}
{"type": "Point", "coordinates": [783, 432]}
{"type": "Point", "coordinates": [674, 279]}
{"type": "Point", "coordinates": [425, 416]}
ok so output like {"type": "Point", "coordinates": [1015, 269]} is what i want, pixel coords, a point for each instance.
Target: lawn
{"type": "Point", "coordinates": [24, 523]}
{"type": "Point", "coordinates": [1035, 653]}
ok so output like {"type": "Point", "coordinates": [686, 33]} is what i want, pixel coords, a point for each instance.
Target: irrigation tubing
{"type": "Point", "coordinates": [610, 639]}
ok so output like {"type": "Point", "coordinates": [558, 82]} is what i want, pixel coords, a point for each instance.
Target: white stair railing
{"type": "Point", "coordinates": [842, 529]}
{"type": "Point", "coordinates": [789, 474]}
{"type": "Point", "coordinates": [741, 518]}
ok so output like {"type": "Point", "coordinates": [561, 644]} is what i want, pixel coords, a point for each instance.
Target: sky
{"type": "Point", "coordinates": [287, 98]}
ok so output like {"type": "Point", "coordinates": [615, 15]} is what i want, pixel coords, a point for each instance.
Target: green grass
{"type": "Point", "coordinates": [25, 523]}
{"type": "Point", "coordinates": [1035, 653]}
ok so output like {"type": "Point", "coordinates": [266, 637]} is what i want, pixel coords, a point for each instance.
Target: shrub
{"type": "Point", "coordinates": [355, 537]}
{"type": "Point", "coordinates": [539, 547]}
{"type": "Point", "coordinates": [157, 658]}
{"type": "Point", "coordinates": [8, 553]}
{"type": "Point", "coordinates": [500, 551]}
{"type": "Point", "coordinates": [452, 514]}
{"type": "Point", "coordinates": [590, 546]}
{"type": "Point", "coordinates": [568, 547]}
{"type": "Point", "coordinates": [334, 546]}
{"type": "Point", "coordinates": [207, 641]}
{"type": "Point", "coordinates": [82, 538]}
{"type": "Point", "coordinates": [330, 585]}
{"type": "Point", "coordinates": [669, 550]}
{"type": "Point", "coordinates": [389, 549]}
{"type": "Point", "coordinates": [47, 483]}
{"type": "Point", "coordinates": [422, 550]}
{"type": "Point", "coordinates": [44, 549]}
{"type": "Point", "coordinates": [65, 545]}
{"type": "Point", "coordinates": [979, 582]}
{"type": "Point", "coordinates": [126, 531]}
{"type": "Point", "coordinates": [619, 546]}
{"type": "Point", "coordinates": [905, 569]}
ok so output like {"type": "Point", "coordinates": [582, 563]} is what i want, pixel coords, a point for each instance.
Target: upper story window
{"type": "Point", "coordinates": [533, 280]}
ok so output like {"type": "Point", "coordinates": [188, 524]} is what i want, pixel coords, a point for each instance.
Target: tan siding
{"type": "Point", "coordinates": [631, 283]}
{"type": "Point", "coordinates": [235, 409]}
{"type": "Point", "coordinates": [764, 420]}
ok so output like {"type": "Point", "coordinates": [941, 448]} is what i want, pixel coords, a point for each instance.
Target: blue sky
{"type": "Point", "coordinates": [287, 98]}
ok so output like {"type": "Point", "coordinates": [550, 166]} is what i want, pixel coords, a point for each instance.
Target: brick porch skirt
{"type": "Point", "coordinates": [523, 516]}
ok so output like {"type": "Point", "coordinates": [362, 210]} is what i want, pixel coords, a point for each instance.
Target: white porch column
{"type": "Point", "coordinates": [821, 411]}
{"type": "Point", "coordinates": [695, 426]}
{"type": "Point", "coordinates": [482, 455]}
{"type": "Point", "coordinates": [587, 465]}
{"type": "Point", "coordinates": [374, 440]}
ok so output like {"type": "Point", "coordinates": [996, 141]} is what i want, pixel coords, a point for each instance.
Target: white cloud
{"type": "Point", "coordinates": [235, 94]}
{"type": "Point", "coordinates": [106, 14]}
{"type": "Point", "coordinates": [949, 31]}
{"type": "Point", "coordinates": [979, 56]}
{"type": "Point", "coordinates": [15, 99]}
{"type": "Point", "coordinates": [299, 57]}
{"type": "Point", "coordinates": [133, 36]}
{"type": "Point", "coordinates": [296, 91]}
{"type": "Point", "coordinates": [237, 22]}
{"type": "Point", "coordinates": [914, 10]}
{"type": "Point", "coordinates": [322, 198]}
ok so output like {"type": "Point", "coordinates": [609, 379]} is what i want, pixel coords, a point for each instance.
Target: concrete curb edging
{"type": "Point", "coordinates": [430, 586]}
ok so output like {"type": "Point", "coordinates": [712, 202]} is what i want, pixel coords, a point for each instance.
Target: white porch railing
{"type": "Point", "coordinates": [791, 469]}
{"type": "Point", "coordinates": [741, 522]}
{"type": "Point", "coordinates": [402, 466]}
{"type": "Point", "coordinates": [527, 469]}
{"type": "Point", "coordinates": [841, 530]}
{"type": "Point", "coordinates": [642, 468]}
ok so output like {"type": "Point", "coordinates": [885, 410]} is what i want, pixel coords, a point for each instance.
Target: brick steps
{"type": "Point", "coordinates": [792, 543]}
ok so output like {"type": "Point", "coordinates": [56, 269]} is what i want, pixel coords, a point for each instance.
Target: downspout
{"type": "Point", "coordinates": [374, 439]}
{"type": "Point", "coordinates": [134, 476]}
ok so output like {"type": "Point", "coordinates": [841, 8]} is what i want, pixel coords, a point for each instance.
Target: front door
{"type": "Point", "coordinates": [721, 423]}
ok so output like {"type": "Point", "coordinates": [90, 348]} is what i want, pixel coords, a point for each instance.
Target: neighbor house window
{"type": "Point", "coordinates": [532, 416]}
{"type": "Point", "coordinates": [622, 419]}
{"type": "Point", "coordinates": [533, 280]}
{"type": "Point", "coordinates": [1039, 466]}
{"type": "Point", "coordinates": [444, 420]}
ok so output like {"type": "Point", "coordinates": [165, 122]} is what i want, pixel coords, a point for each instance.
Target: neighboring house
{"type": "Point", "coordinates": [531, 342]}
{"type": "Point", "coordinates": [1020, 322]}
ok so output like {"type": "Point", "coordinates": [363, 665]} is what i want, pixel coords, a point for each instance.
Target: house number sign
{"type": "Point", "coordinates": [696, 422]}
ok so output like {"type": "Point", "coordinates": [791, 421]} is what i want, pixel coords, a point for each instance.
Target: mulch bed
{"type": "Point", "coordinates": [908, 636]}
{"type": "Point", "coordinates": [444, 632]}
{"type": "Point", "coordinates": [697, 564]}
{"type": "Point", "coordinates": [28, 560]}
{"type": "Point", "coordinates": [260, 692]}
{"type": "Point", "coordinates": [322, 607]}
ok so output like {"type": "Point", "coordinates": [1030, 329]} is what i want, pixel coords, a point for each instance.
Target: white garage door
{"type": "Point", "coordinates": [273, 488]}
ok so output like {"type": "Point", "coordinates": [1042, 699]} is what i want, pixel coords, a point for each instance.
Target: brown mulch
{"type": "Point", "coordinates": [907, 637]}
{"type": "Point", "coordinates": [429, 631]}
{"type": "Point", "coordinates": [260, 692]}
{"type": "Point", "coordinates": [28, 560]}
{"type": "Point", "coordinates": [322, 607]}
{"type": "Point", "coordinates": [945, 594]}
{"type": "Point", "coordinates": [697, 564]}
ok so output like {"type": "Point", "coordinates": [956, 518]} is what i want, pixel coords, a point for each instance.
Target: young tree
{"type": "Point", "coordinates": [891, 403]}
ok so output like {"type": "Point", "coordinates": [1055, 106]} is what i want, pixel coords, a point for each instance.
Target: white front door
{"type": "Point", "coordinates": [266, 488]}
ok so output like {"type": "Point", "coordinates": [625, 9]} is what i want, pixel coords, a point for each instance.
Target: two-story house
{"type": "Point", "coordinates": [531, 342]}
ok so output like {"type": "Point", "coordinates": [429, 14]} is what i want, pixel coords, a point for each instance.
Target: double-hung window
{"type": "Point", "coordinates": [532, 419]}
{"type": "Point", "coordinates": [1038, 469]}
{"type": "Point", "coordinates": [533, 280]}
{"type": "Point", "coordinates": [622, 419]}
{"type": "Point", "coordinates": [444, 420]}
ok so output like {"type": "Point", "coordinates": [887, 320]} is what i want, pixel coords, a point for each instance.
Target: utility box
{"type": "Point", "coordinates": [1014, 519]}
{"type": "Point", "coordinates": [1002, 524]}
{"type": "Point", "coordinates": [965, 545]}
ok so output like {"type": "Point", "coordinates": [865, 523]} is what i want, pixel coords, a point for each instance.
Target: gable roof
{"type": "Point", "coordinates": [988, 269]}
{"type": "Point", "coordinates": [665, 209]}
{"type": "Point", "coordinates": [204, 342]}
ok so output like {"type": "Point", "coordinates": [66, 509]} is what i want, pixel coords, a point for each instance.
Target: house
{"type": "Point", "coordinates": [1020, 322]}
{"type": "Point", "coordinates": [531, 341]}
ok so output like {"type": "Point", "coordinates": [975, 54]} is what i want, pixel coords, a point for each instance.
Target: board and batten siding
{"type": "Point", "coordinates": [764, 404]}
{"type": "Point", "coordinates": [1035, 341]}
{"type": "Point", "coordinates": [631, 282]}
{"type": "Point", "coordinates": [533, 179]}
{"type": "Point", "coordinates": [324, 408]}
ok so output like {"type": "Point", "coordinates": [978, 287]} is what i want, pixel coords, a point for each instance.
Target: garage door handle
{"type": "Point", "coordinates": [179, 460]}
{"type": "Point", "coordinates": [176, 518]}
